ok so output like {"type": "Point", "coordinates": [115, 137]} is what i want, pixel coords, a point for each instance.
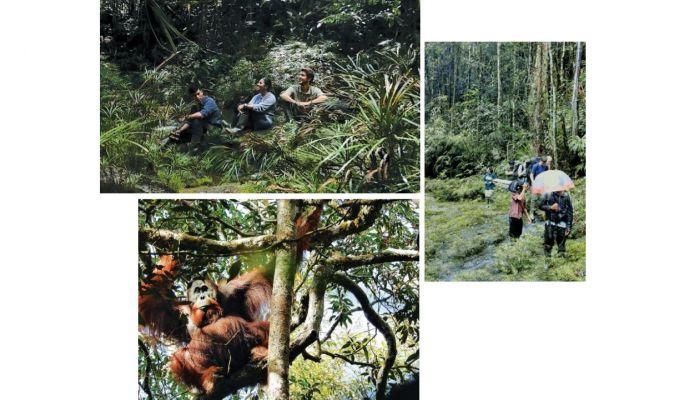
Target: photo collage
{"type": "Point", "coordinates": [325, 164]}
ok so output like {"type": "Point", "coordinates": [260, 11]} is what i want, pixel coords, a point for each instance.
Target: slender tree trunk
{"type": "Point", "coordinates": [574, 96]}
{"type": "Point", "coordinates": [281, 303]}
{"type": "Point", "coordinates": [498, 85]}
{"type": "Point", "coordinates": [470, 57]}
{"type": "Point", "coordinates": [561, 65]}
{"type": "Point", "coordinates": [562, 90]}
{"type": "Point", "coordinates": [457, 50]}
{"type": "Point", "coordinates": [514, 90]}
{"type": "Point", "coordinates": [553, 109]}
{"type": "Point", "coordinates": [537, 95]}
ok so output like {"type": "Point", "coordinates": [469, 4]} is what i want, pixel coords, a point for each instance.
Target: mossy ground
{"type": "Point", "coordinates": [467, 239]}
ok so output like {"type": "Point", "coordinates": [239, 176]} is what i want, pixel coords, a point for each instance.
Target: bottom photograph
{"type": "Point", "coordinates": [278, 299]}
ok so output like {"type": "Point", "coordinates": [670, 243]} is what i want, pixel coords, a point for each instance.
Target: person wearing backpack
{"type": "Point", "coordinates": [558, 220]}
{"type": "Point", "coordinates": [489, 185]}
{"type": "Point", "coordinates": [541, 165]}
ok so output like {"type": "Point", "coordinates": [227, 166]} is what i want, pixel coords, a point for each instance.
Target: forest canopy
{"type": "Point", "coordinates": [489, 103]}
{"type": "Point", "coordinates": [364, 53]}
{"type": "Point", "coordinates": [361, 266]}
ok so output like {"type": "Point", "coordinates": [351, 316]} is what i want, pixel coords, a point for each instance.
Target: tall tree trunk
{"type": "Point", "coordinates": [574, 96]}
{"type": "Point", "coordinates": [537, 95]}
{"type": "Point", "coordinates": [561, 65]}
{"type": "Point", "coordinates": [514, 89]}
{"type": "Point", "coordinates": [553, 109]}
{"type": "Point", "coordinates": [498, 85]}
{"type": "Point", "coordinates": [455, 70]}
{"type": "Point", "coordinates": [470, 57]}
{"type": "Point", "coordinates": [281, 303]}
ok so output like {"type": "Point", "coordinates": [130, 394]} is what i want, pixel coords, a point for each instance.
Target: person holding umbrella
{"type": "Point", "coordinates": [556, 203]}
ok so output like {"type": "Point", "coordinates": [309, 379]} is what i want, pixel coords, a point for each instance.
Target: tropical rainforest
{"type": "Point", "coordinates": [487, 105]}
{"type": "Point", "coordinates": [364, 53]}
{"type": "Point", "coordinates": [344, 317]}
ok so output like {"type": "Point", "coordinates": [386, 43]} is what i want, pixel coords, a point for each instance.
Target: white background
{"type": "Point", "coordinates": [68, 254]}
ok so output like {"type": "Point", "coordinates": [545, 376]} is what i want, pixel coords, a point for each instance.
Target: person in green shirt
{"type": "Point", "coordinates": [303, 96]}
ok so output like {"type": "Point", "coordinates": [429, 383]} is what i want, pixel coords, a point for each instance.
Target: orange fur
{"type": "Point", "coordinates": [304, 224]}
{"type": "Point", "coordinates": [221, 344]}
{"type": "Point", "coordinates": [157, 304]}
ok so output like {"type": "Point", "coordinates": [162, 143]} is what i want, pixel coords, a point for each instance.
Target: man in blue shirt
{"type": "Point", "coordinates": [258, 113]}
{"type": "Point", "coordinates": [196, 123]}
{"type": "Point", "coordinates": [542, 166]}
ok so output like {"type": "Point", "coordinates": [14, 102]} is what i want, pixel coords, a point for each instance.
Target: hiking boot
{"type": "Point", "coordinates": [195, 149]}
{"type": "Point", "coordinates": [233, 131]}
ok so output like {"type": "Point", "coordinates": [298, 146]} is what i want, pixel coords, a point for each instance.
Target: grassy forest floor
{"type": "Point", "coordinates": [467, 239]}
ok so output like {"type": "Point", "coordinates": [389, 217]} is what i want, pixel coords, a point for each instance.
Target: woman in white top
{"type": "Point", "coordinates": [258, 113]}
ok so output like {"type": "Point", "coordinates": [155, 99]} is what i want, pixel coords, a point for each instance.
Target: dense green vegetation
{"type": "Point", "coordinates": [346, 363]}
{"type": "Point", "coordinates": [486, 104]}
{"type": "Point", "coordinates": [365, 54]}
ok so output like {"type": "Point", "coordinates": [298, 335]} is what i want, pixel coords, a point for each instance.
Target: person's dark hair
{"type": "Point", "coordinates": [267, 83]}
{"type": "Point", "coordinates": [192, 89]}
{"type": "Point", "coordinates": [310, 74]}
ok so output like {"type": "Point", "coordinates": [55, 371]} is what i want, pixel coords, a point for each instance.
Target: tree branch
{"type": "Point", "coordinates": [148, 367]}
{"type": "Point", "coordinates": [310, 357]}
{"type": "Point", "coordinates": [349, 360]}
{"type": "Point", "coordinates": [377, 322]}
{"type": "Point", "coordinates": [366, 217]}
{"type": "Point", "coordinates": [189, 204]}
{"type": "Point", "coordinates": [329, 332]}
{"type": "Point", "coordinates": [342, 262]}
{"type": "Point", "coordinates": [308, 331]}
{"type": "Point", "coordinates": [167, 238]}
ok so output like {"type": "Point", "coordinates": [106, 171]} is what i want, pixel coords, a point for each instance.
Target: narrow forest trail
{"type": "Point", "coordinates": [468, 240]}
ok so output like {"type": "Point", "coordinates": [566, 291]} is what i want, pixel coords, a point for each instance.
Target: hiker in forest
{"type": "Point", "coordinates": [511, 170]}
{"type": "Point", "coordinates": [303, 96]}
{"type": "Point", "coordinates": [558, 220]}
{"type": "Point", "coordinates": [518, 209]}
{"type": "Point", "coordinates": [518, 170]}
{"type": "Point", "coordinates": [196, 123]}
{"type": "Point", "coordinates": [258, 113]}
{"type": "Point", "coordinates": [489, 185]}
{"type": "Point", "coordinates": [541, 165]}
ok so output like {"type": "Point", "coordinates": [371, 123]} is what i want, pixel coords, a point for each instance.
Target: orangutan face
{"type": "Point", "coordinates": [201, 293]}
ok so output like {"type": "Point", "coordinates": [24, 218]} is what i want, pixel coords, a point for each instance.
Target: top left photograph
{"type": "Point", "coordinates": [268, 96]}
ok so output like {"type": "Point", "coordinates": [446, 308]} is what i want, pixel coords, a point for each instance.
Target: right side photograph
{"type": "Point", "coordinates": [505, 161]}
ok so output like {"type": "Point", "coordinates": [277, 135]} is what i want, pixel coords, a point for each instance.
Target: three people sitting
{"type": "Point", "coordinates": [257, 114]}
